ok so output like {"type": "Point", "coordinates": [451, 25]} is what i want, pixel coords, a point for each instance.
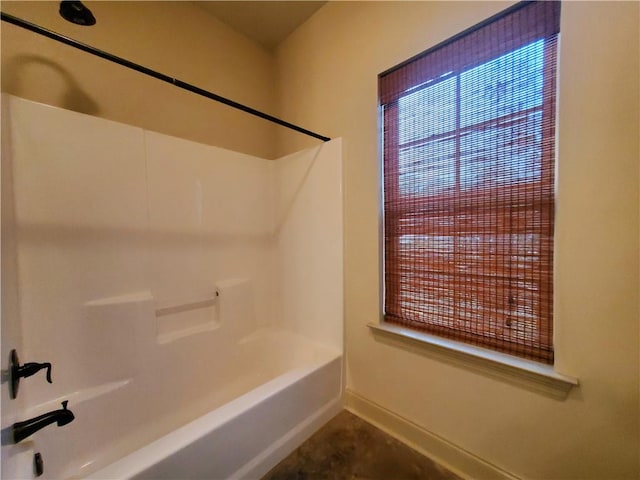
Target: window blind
{"type": "Point", "coordinates": [469, 160]}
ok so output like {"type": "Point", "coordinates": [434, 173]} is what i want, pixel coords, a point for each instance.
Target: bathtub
{"type": "Point", "coordinates": [248, 435]}
{"type": "Point", "coordinates": [276, 389]}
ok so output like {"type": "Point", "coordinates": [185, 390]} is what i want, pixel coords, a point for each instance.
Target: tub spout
{"type": "Point", "coordinates": [22, 430]}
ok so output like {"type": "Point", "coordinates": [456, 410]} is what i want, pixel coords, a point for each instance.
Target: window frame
{"type": "Point", "coordinates": [386, 329]}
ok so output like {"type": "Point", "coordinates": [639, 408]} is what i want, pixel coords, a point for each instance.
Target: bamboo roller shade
{"type": "Point", "coordinates": [469, 152]}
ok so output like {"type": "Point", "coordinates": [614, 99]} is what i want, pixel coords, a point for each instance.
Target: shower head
{"type": "Point", "coordinates": [75, 12]}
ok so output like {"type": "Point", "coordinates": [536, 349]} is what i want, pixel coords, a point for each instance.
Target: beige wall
{"type": "Point", "coordinates": [327, 78]}
{"type": "Point", "coordinates": [176, 38]}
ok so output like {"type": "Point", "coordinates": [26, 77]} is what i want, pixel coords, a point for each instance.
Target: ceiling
{"type": "Point", "coordinates": [266, 22]}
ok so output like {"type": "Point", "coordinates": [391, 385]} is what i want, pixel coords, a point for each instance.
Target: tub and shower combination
{"type": "Point", "coordinates": [188, 297]}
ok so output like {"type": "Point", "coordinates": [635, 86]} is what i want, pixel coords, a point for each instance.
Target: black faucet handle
{"type": "Point", "coordinates": [64, 404]}
{"type": "Point", "coordinates": [32, 368]}
{"type": "Point", "coordinates": [18, 371]}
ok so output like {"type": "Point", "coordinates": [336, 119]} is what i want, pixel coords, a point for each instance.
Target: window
{"type": "Point", "coordinates": [469, 160]}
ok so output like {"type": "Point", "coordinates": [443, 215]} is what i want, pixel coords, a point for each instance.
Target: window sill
{"type": "Point", "coordinates": [526, 373]}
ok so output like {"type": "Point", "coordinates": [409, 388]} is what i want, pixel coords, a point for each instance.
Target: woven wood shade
{"type": "Point", "coordinates": [469, 151]}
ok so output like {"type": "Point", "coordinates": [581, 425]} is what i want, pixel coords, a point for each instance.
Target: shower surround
{"type": "Point", "coordinates": [170, 284]}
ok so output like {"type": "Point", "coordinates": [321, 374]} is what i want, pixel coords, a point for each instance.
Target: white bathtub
{"type": "Point", "coordinates": [248, 435]}
{"type": "Point", "coordinates": [244, 438]}
{"type": "Point", "coordinates": [277, 388]}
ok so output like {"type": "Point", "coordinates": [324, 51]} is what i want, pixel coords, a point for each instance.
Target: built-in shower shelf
{"type": "Point", "coordinates": [185, 307]}
{"type": "Point", "coordinates": [186, 332]}
{"type": "Point", "coordinates": [179, 318]}
{"type": "Point", "coordinates": [175, 318]}
{"type": "Point", "coordinates": [127, 298]}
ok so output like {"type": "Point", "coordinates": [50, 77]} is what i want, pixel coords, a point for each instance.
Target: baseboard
{"type": "Point", "coordinates": [451, 456]}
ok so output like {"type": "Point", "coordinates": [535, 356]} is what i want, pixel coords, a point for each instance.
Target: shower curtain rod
{"type": "Point", "coordinates": [152, 73]}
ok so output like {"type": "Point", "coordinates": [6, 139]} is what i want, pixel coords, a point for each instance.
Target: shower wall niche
{"type": "Point", "coordinates": [141, 257]}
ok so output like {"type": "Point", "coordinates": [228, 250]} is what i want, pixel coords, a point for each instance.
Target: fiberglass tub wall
{"type": "Point", "coordinates": [119, 227]}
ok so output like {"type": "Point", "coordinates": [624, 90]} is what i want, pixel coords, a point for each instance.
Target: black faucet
{"type": "Point", "coordinates": [22, 430]}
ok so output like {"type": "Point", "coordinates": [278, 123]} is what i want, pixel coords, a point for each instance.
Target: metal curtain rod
{"type": "Point", "coordinates": [152, 73]}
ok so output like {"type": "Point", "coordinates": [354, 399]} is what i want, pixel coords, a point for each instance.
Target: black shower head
{"type": "Point", "coordinates": [75, 12]}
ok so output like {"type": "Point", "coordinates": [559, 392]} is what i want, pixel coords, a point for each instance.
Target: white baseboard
{"type": "Point", "coordinates": [451, 456]}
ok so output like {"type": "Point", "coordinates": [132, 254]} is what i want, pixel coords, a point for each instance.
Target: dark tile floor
{"type": "Point", "coordinates": [347, 447]}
